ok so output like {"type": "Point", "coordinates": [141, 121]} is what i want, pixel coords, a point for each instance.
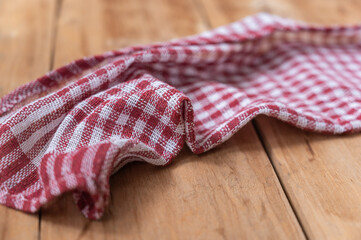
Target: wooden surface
{"type": "Point", "coordinates": [269, 181]}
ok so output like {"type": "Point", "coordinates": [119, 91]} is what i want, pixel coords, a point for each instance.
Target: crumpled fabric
{"type": "Point", "coordinates": [72, 128]}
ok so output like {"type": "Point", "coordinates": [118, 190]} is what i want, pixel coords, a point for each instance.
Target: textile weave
{"type": "Point", "coordinates": [72, 128]}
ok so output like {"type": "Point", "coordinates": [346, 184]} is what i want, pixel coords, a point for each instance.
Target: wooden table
{"type": "Point", "coordinates": [269, 181]}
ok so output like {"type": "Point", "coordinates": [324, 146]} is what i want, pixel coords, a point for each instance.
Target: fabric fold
{"type": "Point", "coordinates": [72, 128]}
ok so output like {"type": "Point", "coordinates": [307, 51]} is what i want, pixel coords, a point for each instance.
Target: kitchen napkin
{"type": "Point", "coordinates": [72, 128]}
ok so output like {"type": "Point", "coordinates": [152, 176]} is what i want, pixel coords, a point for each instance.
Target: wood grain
{"type": "Point", "coordinates": [25, 41]}
{"type": "Point", "coordinates": [226, 193]}
{"type": "Point", "coordinates": [25, 52]}
{"type": "Point", "coordinates": [229, 192]}
{"type": "Point", "coordinates": [92, 27]}
{"type": "Point", "coordinates": [321, 174]}
{"type": "Point", "coordinates": [219, 12]}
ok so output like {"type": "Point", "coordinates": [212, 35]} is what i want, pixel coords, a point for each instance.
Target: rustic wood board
{"type": "Point", "coordinates": [230, 192]}
{"type": "Point", "coordinates": [321, 175]}
{"type": "Point", "coordinates": [226, 193]}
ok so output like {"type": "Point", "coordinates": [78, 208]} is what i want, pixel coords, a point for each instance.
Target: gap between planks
{"type": "Point", "coordinates": [202, 12]}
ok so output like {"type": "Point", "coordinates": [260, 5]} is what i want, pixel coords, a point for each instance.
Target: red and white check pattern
{"type": "Point", "coordinates": [145, 102]}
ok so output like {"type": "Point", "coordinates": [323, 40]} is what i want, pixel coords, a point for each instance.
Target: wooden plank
{"type": "Point", "coordinates": [334, 12]}
{"type": "Point", "coordinates": [25, 51]}
{"type": "Point", "coordinates": [226, 193]}
{"type": "Point", "coordinates": [25, 41]}
{"type": "Point", "coordinates": [92, 27]}
{"type": "Point", "coordinates": [321, 174]}
{"type": "Point", "coordinates": [230, 192]}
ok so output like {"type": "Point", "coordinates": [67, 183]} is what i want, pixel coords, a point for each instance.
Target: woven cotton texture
{"type": "Point", "coordinates": [143, 103]}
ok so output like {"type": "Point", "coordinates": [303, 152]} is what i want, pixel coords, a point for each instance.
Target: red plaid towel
{"type": "Point", "coordinates": [143, 103]}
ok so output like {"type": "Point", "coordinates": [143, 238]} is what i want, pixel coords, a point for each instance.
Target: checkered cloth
{"type": "Point", "coordinates": [72, 128]}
